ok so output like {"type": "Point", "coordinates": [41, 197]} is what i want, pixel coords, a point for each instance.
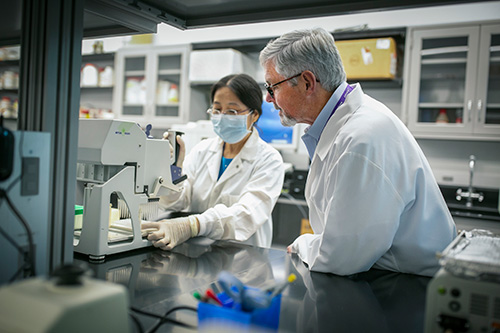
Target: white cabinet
{"type": "Point", "coordinates": [97, 79]}
{"type": "Point", "coordinates": [454, 82]}
{"type": "Point", "coordinates": [152, 85]}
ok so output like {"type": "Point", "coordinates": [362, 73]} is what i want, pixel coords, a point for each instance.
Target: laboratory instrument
{"type": "Point", "coordinates": [67, 302]}
{"type": "Point", "coordinates": [464, 295]}
{"type": "Point", "coordinates": [121, 174]}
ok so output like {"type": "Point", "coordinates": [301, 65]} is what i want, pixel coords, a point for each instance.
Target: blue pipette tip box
{"type": "Point", "coordinates": [211, 316]}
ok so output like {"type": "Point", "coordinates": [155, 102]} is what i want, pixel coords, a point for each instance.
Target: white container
{"type": "Point", "coordinates": [135, 90]}
{"type": "Point", "coordinates": [90, 76]}
{"type": "Point", "coordinates": [106, 77]}
{"type": "Point", "coordinates": [9, 80]}
{"type": "Point", "coordinates": [212, 65]}
{"type": "Point", "coordinates": [162, 92]}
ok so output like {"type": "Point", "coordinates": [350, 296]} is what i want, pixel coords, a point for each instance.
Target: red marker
{"type": "Point", "coordinates": [210, 294]}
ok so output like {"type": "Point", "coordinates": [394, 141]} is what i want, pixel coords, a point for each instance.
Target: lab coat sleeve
{"type": "Point", "coordinates": [361, 217]}
{"type": "Point", "coordinates": [241, 218]}
{"type": "Point", "coordinates": [178, 201]}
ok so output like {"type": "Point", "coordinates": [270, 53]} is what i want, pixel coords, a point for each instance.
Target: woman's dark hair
{"type": "Point", "coordinates": [243, 86]}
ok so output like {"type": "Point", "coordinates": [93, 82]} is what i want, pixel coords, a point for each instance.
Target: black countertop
{"type": "Point", "coordinates": [374, 301]}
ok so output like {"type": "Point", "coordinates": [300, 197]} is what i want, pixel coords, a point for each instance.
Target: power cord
{"type": "Point", "coordinates": [29, 233]}
{"type": "Point", "coordinates": [137, 322]}
{"type": "Point", "coordinates": [163, 319]}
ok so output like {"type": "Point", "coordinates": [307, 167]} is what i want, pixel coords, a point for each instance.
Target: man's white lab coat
{"type": "Point", "coordinates": [372, 197]}
{"type": "Point", "coordinates": [238, 206]}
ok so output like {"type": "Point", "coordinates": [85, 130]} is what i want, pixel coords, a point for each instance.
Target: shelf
{"type": "Point", "coordinates": [202, 83]}
{"type": "Point", "coordinates": [443, 76]}
{"type": "Point", "coordinates": [446, 61]}
{"type": "Point", "coordinates": [444, 50]}
{"type": "Point", "coordinates": [96, 87]}
{"type": "Point", "coordinates": [169, 72]}
{"type": "Point", "coordinates": [13, 91]}
{"type": "Point", "coordinates": [10, 62]}
{"type": "Point", "coordinates": [135, 73]}
{"type": "Point", "coordinates": [440, 105]}
{"type": "Point", "coordinates": [133, 105]}
{"type": "Point", "coordinates": [378, 83]}
{"type": "Point", "coordinates": [450, 136]}
{"type": "Point", "coordinates": [98, 57]}
{"type": "Point", "coordinates": [172, 104]}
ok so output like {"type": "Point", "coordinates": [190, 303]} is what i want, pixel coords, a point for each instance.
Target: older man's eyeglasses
{"type": "Point", "coordinates": [230, 112]}
{"type": "Point", "coordinates": [270, 87]}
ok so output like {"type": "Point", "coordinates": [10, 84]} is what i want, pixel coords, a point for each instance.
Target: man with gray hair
{"type": "Point", "coordinates": [373, 200]}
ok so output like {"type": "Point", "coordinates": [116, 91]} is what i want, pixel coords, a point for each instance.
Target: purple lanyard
{"type": "Point", "coordinates": [342, 98]}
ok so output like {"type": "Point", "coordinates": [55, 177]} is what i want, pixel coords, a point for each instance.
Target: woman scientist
{"type": "Point", "coordinates": [235, 179]}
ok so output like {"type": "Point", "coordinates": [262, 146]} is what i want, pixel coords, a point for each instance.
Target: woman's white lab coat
{"type": "Point", "coordinates": [238, 206]}
{"type": "Point", "coordinates": [372, 197]}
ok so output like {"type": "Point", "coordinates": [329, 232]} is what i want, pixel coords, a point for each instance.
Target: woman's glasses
{"type": "Point", "coordinates": [230, 112]}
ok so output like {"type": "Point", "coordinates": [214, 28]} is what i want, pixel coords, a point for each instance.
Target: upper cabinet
{"type": "Point", "coordinates": [454, 82]}
{"type": "Point", "coordinates": [151, 85]}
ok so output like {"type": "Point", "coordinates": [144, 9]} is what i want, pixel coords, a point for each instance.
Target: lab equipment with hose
{"type": "Point", "coordinates": [464, 295]}
{"type": "Point", "coordinates": [121, 174]}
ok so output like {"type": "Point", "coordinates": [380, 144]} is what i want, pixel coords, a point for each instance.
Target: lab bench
{"type": "Point", "coordinates": [158, 281]}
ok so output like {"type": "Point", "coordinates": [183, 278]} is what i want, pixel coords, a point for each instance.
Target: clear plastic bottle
{"type": "Point", "coordinates": [442, 117]}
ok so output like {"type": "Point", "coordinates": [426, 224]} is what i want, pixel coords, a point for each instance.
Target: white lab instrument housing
{"type": "Point", "coordinates": [117, 157]}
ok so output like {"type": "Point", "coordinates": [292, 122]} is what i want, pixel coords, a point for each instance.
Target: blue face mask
{"type": "Point", "coordinates": [230, 129]}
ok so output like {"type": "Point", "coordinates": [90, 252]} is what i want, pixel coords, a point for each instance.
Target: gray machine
{"type": "Point", "coordinates": [27, 189]}
{"type": "Point", "coordinates": [120, 170]}
{"type": "Point", "coordinates": [464, 296]}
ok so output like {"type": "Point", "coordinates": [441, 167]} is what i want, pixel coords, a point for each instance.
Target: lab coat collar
{"type": "Point", "coordinates": [339, 118]}
{"type": "Point", "coordinates": [248, 153]}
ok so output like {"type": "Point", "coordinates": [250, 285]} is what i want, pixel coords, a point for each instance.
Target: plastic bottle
{"type": "Point", "coordinates": [442, 116]}
{"type": "Point", "coordinates": [173, 94]}
{"type": "Point", "coordinates": [6, 107]}
{"type": "Point", "coordinates": [106, 76]}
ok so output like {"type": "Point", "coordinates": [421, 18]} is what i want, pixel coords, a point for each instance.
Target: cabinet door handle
{"type": "Point", "coordinates": [479, 108]}
{"type": "Point", "coordinates": [469, 109]}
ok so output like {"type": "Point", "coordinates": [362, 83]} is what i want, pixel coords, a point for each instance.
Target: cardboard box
{"type": "Point", "coordinates": [305, 227]}
{"type": "Point", "coordinates": [374, 58]}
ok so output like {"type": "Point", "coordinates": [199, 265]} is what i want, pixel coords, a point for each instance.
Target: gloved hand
{"type": "Point", "coordinates": [172, 232]}
{"type": "Point", "coordinates": [170, 263]}
{"type": "Point", "coordinates": [182, 149]}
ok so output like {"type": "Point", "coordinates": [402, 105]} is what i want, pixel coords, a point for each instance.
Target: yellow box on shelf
{"type": "Point", "coordinates": [374, 58]}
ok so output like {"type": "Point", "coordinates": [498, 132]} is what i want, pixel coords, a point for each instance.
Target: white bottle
{"type": "Point", "coordinates": [106, 77]}
{"type": "Point", "coordinates": [173, 94]}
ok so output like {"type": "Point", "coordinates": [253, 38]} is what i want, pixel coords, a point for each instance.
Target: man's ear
{"type": "Point", "coordinates": [310, 81]}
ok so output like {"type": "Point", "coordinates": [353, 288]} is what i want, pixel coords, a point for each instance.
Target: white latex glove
{"type": "Point", "coordinates": [172, 232]}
